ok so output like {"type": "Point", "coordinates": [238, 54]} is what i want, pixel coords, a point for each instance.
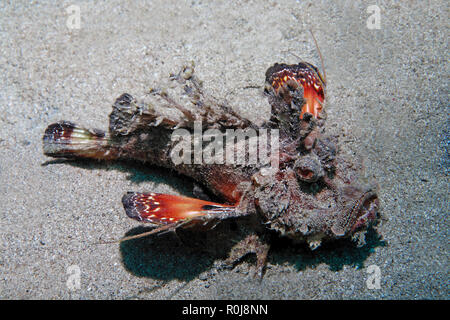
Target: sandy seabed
{"type": "Point", "coordinates": [387, 100]}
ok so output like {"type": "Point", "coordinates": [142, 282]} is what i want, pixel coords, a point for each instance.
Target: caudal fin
{"type": "Point", "coordinates": [65, 139]}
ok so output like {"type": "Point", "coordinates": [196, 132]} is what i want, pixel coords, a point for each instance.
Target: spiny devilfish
{"type": "Point", "coordinates": [313, 194]}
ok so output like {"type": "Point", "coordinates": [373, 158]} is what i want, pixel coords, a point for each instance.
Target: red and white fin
{"type": "Point", "coordinates": [164, 209]}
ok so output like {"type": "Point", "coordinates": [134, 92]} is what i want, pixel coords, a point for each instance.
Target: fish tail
{"type": "Point", "coordinates": [65, 139]}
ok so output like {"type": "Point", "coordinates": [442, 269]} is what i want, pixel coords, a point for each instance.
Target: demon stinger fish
{"type": "Point", "coordinates": [312, 194]}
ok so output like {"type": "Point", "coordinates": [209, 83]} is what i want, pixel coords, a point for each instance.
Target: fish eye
{"type": "Point", "coordinates": [308, 169]}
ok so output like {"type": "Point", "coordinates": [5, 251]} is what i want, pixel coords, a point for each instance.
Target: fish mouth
{"type": "Point", "coordinates": [367, 213]}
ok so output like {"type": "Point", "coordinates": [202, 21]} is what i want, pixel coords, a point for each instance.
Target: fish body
{"type": "Point", "coordinates": [285, 174]}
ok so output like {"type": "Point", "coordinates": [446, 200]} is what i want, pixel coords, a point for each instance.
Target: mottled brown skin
{"type": "Point", "coordinates": [314, 195]}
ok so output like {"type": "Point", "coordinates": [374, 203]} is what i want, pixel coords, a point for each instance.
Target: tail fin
{"type": "Point", "coordinates": [164, 209]}
{"type": "Point", "coordinates": [65, 139]}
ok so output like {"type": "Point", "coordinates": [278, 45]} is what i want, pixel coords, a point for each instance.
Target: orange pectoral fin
{"type": "Point", "coordinates": [166, 209]}
{"type": "Point", "coordinates": [314, 99]}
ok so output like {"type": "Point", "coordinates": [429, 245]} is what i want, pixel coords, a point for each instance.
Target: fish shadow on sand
{"type": "Point", "coordinates": [165, 256]}
{"type": "Point", "coordinates": [336, 254]}
{"type": "Point", "coordinates": [189, 252]}
{"type": "Point", "coordinates": [138, 172]}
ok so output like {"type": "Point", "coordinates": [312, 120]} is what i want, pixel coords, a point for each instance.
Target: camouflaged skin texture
{"type": "Point", "coordinates": [313, 195]}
